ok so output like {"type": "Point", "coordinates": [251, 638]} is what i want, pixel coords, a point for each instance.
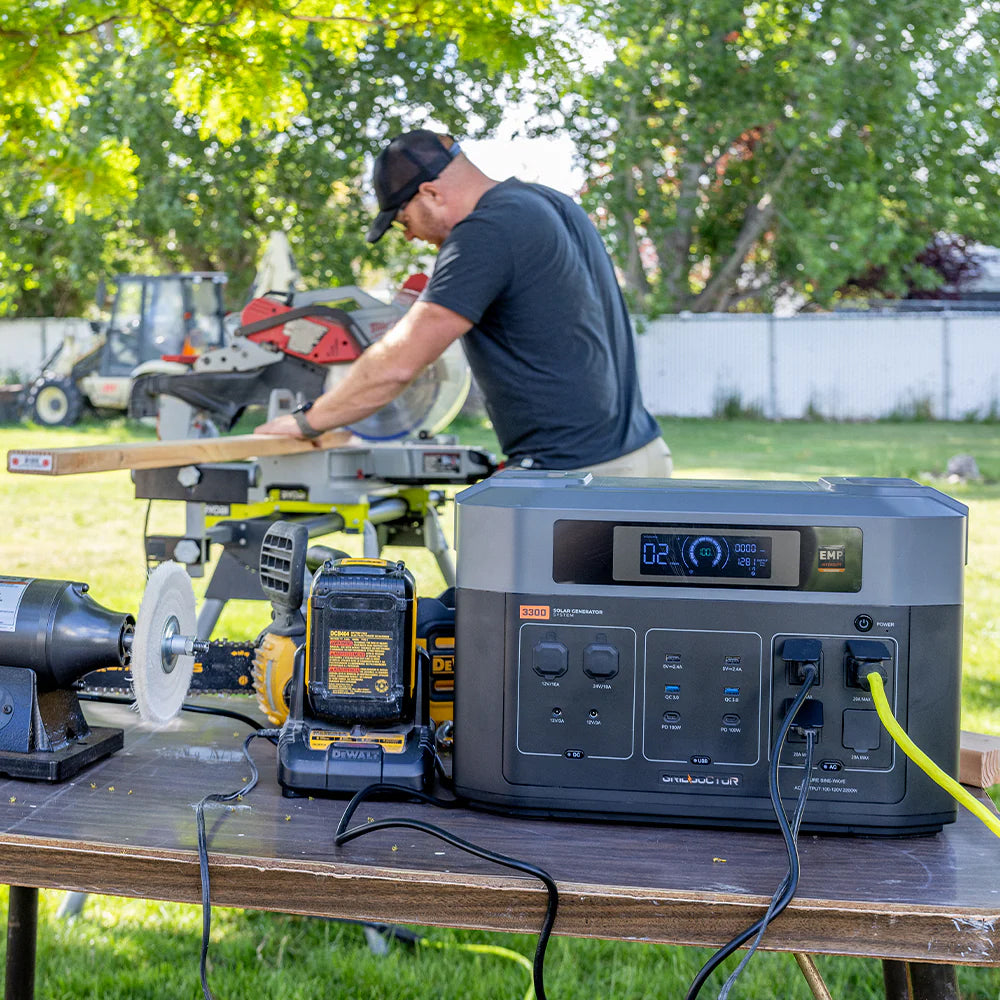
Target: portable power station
{"type": "Point", "coordinates": [629, 648]}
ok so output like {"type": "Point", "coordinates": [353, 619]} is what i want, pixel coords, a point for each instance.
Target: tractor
{"type": "Point", "coordinates": [158, 323]}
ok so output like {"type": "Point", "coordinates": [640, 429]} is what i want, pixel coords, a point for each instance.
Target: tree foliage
{"type": "Point", "coordinates": [735, 151]}
{"type": "Point", "coordinates": [939, 271]}
{"type": "Point", "coordinates": [143, 135]}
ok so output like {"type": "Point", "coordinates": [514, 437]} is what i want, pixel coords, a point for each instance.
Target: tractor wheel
{"type": "Point", "coordinates": [53, 401]}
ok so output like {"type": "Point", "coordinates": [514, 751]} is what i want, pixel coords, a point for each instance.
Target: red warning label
{"type": "Point", "coordinates": [358, 662]}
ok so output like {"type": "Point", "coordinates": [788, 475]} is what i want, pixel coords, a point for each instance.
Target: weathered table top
{"type": "Point", "coordinates": [126, 827]}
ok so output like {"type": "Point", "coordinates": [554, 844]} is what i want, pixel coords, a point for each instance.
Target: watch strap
{"type": "Point", "coordinates": [307, 429]}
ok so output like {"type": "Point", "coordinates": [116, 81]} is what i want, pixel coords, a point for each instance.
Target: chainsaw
{"type": "Point", "coordinates": [263, 668]}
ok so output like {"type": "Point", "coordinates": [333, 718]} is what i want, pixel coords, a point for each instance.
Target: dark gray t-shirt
{"type": "Point", "coordinates": [551, 345]}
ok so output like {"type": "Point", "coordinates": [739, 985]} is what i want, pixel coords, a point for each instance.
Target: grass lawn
{"type": "Point", "coordinates": [90, 528]}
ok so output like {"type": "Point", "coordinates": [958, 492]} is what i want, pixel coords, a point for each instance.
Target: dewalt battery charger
{"type": "Point", "coordinates": [358, 708]}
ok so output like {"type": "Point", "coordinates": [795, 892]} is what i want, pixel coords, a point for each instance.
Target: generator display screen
{"type": "Point", "coordinates": [694, 554]}
{"type": "Point", "coordinates": [738, 556]}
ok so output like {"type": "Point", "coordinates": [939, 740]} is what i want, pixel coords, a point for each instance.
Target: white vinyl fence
{"type": "Point", "coordinates": [842, 366]}
{"type": "Point", "coordinates": [26, 343]}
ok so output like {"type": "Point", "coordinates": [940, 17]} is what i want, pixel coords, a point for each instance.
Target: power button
{"type": "Point", "coordinates": [863, 623]}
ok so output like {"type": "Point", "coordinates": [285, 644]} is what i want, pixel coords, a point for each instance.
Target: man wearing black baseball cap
{"type": "Point", "coordinates": [402, 167]}
{"type": "Point", "coordinates": [523, 279]}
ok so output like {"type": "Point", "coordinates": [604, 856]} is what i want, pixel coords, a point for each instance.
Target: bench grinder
{"type": "Point", "coordinates": [52, 633]}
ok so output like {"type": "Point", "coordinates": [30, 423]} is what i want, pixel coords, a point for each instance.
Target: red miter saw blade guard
{"type": "Point", "coordinates": [327, 341]}
{"type": "Point", "coordinates": [314, 334]}
{"type": "Point", "coordinates": [410, 291]}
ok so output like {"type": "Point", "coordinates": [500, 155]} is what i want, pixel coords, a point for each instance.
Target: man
{"type": "Point", "coordinates": [523, 278]}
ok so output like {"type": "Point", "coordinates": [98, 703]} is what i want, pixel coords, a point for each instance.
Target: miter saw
{"type": "Point", "coordinates": [292, 346]}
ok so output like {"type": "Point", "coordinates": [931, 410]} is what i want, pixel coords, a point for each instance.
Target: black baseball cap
{"type": "Point", "coordinates": [400, 169]}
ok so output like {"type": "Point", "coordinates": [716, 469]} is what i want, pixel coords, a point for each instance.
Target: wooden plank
{"type": "Point", "coordinates": [162, 454]}
{"type": "Point", "coordinates": [504, 901]}
{"type": "Point", "coordinates": [979, 763]}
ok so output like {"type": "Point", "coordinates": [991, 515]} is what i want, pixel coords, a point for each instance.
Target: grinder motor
{"type": "Point", "coordinates": [52, 632]}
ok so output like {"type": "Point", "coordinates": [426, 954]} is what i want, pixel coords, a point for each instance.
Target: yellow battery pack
{"type": "Point", "coordinates": [361, 627]}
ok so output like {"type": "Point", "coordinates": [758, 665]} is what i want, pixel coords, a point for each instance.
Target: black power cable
{"type": "Point", "coordinates": [203, 867]}
{"type": "Point", "coordinates": [781, 898]}
{"type": "Point", "coordinates": [269, 734]}
{"type": "Point", "coordinates": [206, 903]}
{"type": "Point", "coordinates": [796, 823]}
{"type": "Point", "coordinates": [344, 835]}
{"type": "Point", "coordinates": [790, 883]}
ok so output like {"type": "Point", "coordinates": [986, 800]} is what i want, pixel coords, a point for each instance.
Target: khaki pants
{"type": "Point", "coordinates": [651, 461]}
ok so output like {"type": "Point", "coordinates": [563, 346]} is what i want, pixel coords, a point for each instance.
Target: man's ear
{"type": "Point", "coordinates": [432, 190]}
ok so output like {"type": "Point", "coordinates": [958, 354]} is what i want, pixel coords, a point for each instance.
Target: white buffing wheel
{"type": "Point", "coordinates": [160, 680]}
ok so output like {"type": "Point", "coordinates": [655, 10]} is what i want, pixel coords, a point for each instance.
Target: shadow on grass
{"type": "Point", "coordinates": [146, 950]}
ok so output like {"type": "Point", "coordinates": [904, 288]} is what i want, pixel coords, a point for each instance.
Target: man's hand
{"type": "Point", "coordinates": [283, 426]}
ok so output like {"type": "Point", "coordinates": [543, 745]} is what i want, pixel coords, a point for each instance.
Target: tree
{"type": "Point", "coordinates": [938, 272]}
{"type": "Point", "coordinates": [735, 151]}
{"type": "Point", "coordinates": [236, 65]}
{"type": "Point", "coordinates": [171, 175]}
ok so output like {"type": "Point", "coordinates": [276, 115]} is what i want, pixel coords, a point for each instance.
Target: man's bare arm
{"type": "Point", "coordinates": [383, 371]}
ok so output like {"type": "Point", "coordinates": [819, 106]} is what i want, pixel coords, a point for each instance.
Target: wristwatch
{"type": "Point", "coordinates": [299, 413]}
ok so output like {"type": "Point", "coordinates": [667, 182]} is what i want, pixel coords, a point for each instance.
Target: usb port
{"type": "Point", "coordinates": [672, 689]}
{"type": "Point", "coordinates": [672, 658]}
{"type": "Point", "coordinates": [731, 692]}
{"type": "Point", "coordinates": [733, 661]}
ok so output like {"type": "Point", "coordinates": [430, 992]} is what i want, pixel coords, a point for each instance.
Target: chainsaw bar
{"type": "Point", "coordinates": [227, 668]}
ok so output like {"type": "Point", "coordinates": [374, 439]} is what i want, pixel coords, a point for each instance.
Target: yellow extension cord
{"type": "Point", "coordinates": [924, 762]}
{"type": "Point", "coordinates": [904, 743]}
{"type": "Point", "coordinates": [488, 949]}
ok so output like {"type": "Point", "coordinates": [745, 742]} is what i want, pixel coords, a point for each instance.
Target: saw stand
{"type": "Point", "coordinates": [389, 493]}
{"type": "Point", "coordinates": [389, 522]}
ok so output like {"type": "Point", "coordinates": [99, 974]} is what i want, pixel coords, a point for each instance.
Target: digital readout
{"type": "Point", "coordinates": [739, 557]}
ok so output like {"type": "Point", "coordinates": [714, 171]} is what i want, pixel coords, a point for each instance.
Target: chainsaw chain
{"type": "Point", "coordinates": [226, 668]}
